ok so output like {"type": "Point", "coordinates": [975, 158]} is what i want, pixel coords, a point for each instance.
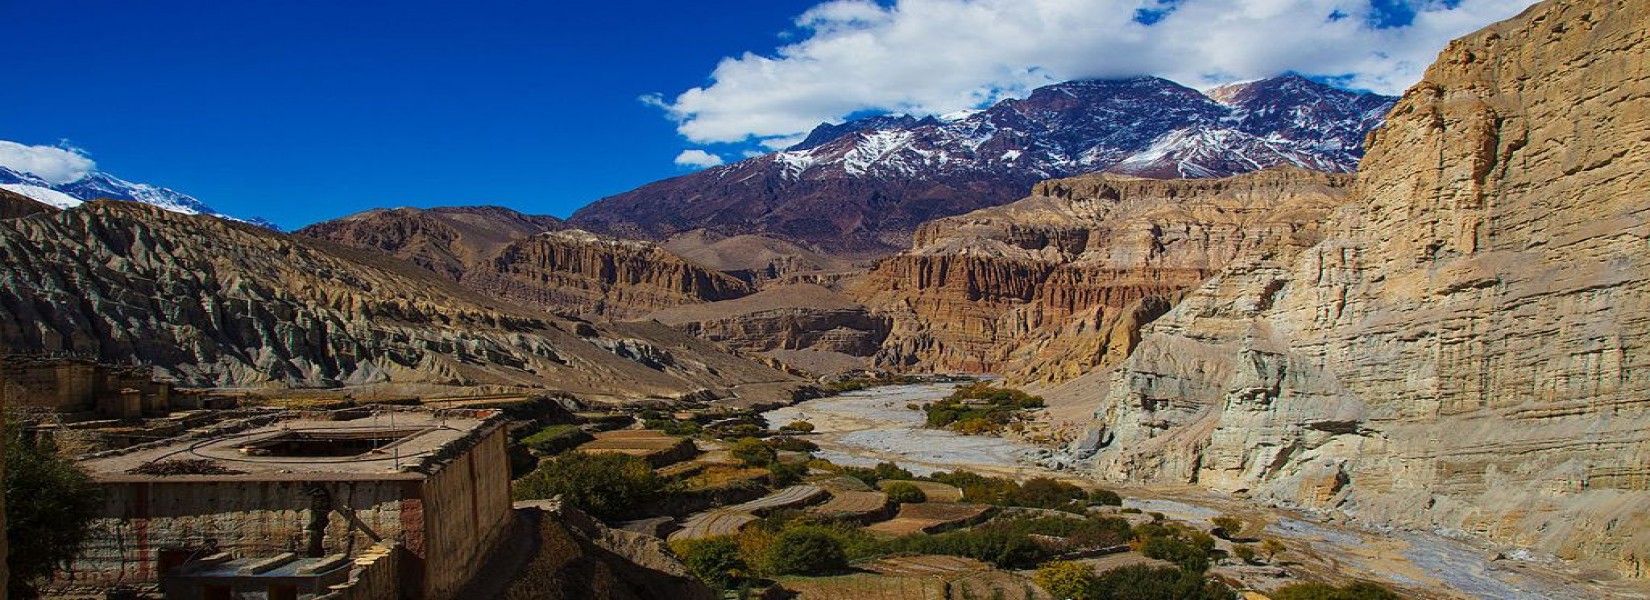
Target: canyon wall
{"type": "Point", "coordinates": [1055, 285]}
{"type": "Point", "coordinates": [1466, 351]}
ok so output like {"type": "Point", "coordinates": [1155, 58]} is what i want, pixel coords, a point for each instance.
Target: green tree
{"type": "Point", "coordinates": [1361, 590]}
{"type": "Point", "coordinates": [1065, 579]}
{"type": "Point", "coordinates": [808, 550]}
{"type": "Point", "coordinates": [901, 492]}
{"type": "Point", "coordinates": [753, 452]}
{"type": "Point", "coordinates": [1272, 548]}
{"type": "Point", "coordinates": [605, 485]}
{"type": "Point", "coordinates": [798, 427]}
{"type": "Point", "coordinates": [1143, 582]}
{"type": "Point", "coordinates": [715, 560]}
{"type": "Point", "coordinates": [50, 504]}
{"type": "Point", "coordinates": [1244, 552]}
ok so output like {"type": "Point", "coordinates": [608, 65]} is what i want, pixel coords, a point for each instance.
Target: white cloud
{"type": "Point", "coordinates": [938, 56]}
{"type": "Point", "coordinates": [698, 159]}
{"type": "Point", "coordinates": [53, 164]}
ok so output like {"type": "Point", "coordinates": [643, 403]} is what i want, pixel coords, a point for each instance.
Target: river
{"type": "Point", "coordinates": [874, 425]}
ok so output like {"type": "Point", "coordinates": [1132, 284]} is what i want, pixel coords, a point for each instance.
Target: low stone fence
{"type": "Point", "coordinates": [376, 575]}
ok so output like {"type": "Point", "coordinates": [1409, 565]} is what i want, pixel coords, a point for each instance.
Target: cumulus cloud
{"type": "Point", "coordinates": [938, 56]}
{"type": "Point", "coordinates": [698, 159]}
{"type": "Point", "coordinates": [51, 163]}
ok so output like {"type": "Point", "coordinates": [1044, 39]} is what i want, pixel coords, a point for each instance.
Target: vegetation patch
{"type": "Point", "coordinates": [979, 408]}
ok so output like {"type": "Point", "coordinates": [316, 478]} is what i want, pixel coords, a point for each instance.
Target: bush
{"type": "Point", "coordinates": [1272, 548]}
{"type": "Point", "coordinates": [791, 444]}
{"type": "Point", "coordinates": [604, 485]}
{"type": "Point", "coordinates": [1189, 549]}
{"type": "Point", "coordinates": [1228, 527]}
{"type": "Point", "coordinates": [798, 427]}
{"type": "Point", "coordinates": [1143, 582]}
{"type": "Point", "coordinates": [905, 493]}
{"type": "Point", "coordinates": [807, 550]}
{"type": "Point", "coordinates": [1361, 590]}
{"type": "Point", "coordinates": [782, 474]}
{"type": "Point", "coordinates": [1244, 552]}
{"type": "Point", "coordinates": [1044, 492]}
{"type": "Point", "coordinates": [674, 427]}
{"type": "Point", "coordinates": [1063, 579]}
{"type": "Point", "coordinates": [50, 504]}
{"type": "Point", "coordinates": [886, 470]}
{"type": "Point", "coordinates": [555, 439]}
{"type": "Point", "coordinates": [1105, 498]}
{"type": "Point", "coordinates": [715, 561]}
{"type": "Point", "coordinates": [753, 452]}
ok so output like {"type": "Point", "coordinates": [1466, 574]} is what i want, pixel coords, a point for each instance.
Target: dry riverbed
{"type": "Point", "coordinates": [869, 426]}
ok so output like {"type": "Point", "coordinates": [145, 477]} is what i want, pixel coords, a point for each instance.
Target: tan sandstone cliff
{"type": "Point", "coordinates": [1057, 284]}
{"type": "Point", "coordinates": [1467, 350]}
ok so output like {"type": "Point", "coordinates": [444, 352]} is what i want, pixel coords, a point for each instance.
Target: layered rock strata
{"type": "Point", "coordinates": [1467, 350]}
{"type": "Point", "coordinates": [214, 303]}
{"type": "Point", "coordinates": [1052, 286]}
{"type": "Point", "coordinates": [787, 317]}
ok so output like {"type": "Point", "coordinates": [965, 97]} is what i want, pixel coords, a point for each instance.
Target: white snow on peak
{"type": "Point", "coordinates": [874, 147]}
{"type": "Point", "coordinates": [952, 117]}
{"type": "Point", "coordinates": [1011, 155]}
{"type": "Point", "coordinates": [793, 163]}
{"type": "Point", "coordinates": [43, 195]}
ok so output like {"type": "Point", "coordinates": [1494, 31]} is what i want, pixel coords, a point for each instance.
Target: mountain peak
{"type": "Point", "coordinates": [99, 185]}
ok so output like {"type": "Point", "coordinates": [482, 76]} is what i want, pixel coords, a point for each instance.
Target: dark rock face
{"type": "Point", "coordinates": [214, 303]}
{"type": "Point", "coordinates": [861, 188]}
{"type": "Point", "coordinates": [13, 206]}
{"type": "Point", "coordinates": [447, 240]}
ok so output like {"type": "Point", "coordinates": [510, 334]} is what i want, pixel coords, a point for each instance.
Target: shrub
{"type": "Point", "coordinates": [792, 444]}
{"type": "Point", "coordinates": [604, 485]}
{"type": "Point", "coordinates": [555, 439]}
{"type": "Point", "coordinates": [753, 452]}
{"type": "Point", "coordinates": [50, 504]}
{"type": "Point", "coordinates": [871, 476]}
{"type": "Point", "coordinates": [1361, 590]}
{"type": "Point", "coordinates": [782, 474]}
{"type": "Point", "coordinates": [1143, 582]}
{"type": "Point", "coordinates": [1272, 548]}
{"type": "Point", "coordinates": [1177, 551]}
{"type": "Point", "coordinates": [1228, 527]}
{"type": "Point", "coordinates": [807, 550]}
{"type": "Point", "coordinates": [1244, 552]}
{"type": "Point", "coordinates": [715, 561]}
{"type": "Point", "coordinates": [1064, 579]}
{"type": "Point", "coordinates": [798, 427]}
{"type": "Point", "coordinates": [1105, 498]}
{"type": "Point", "coordinates": [1044, 492]}
{"type": "Point", "coordinates": [905, 493]}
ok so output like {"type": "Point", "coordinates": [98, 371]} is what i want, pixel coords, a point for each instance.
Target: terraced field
{"type": "Point", "coordinates": [853, 505]}
{"type": "Point", "coordinates": [796, 495]}
{"type": "Point", "coordinates": [867, 587]}
{"type": "Point", "coordinates": [711, 524]}
{"type": "Point", "coordinates": [936, 492]}
{"type": "Point", "coordinates": [929, 517]}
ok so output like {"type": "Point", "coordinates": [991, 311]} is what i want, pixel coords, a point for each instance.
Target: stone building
{"type": "Point", "coordinates": [288, 508]}
{"type": "Point", "coordinates": [85, 389]}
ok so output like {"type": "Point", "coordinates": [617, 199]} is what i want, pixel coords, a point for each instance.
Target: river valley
{"type": "Point", "coordinates": [869, 426]}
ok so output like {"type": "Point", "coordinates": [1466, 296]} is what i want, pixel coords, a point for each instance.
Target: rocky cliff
{"type": "Point", "coordinates": [787, 317]}
{"type": "Point", "coordinates": [1057, 284]}
{"type": "Point", "coordinates": [215, 303]}
{"type": "Point", "coordinates": [534, 260]}
{"type": "Point", "coordinates": [1467, 349]}
{"type": "Point", "coordinates": [588, 274]}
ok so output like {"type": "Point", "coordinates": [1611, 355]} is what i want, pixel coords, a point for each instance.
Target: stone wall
{"type": "Point", "coordinates": [82, 386]}
{"type": "Point", "coordinates": [465, 509]}
{"type": "Point", "coordinates": [376, 575]}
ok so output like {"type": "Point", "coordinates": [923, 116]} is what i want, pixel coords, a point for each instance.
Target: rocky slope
{"type": "Point", "coordinates": [447, 240]}
{"type": "Point", "coordinates": [588, 274]}
{"type": "Point", "coordinates": [534, 260]}
{"type": "Point", "coordinates": [788, 317]}
{"type": "Point", "coordinates": [1467, 349]}
{"type": "Point", "coordinates": [861, 188]}
{"type": "Point", "coordinates": [214, 303]}
{"type": "Point", "coordinates": [1057, 284]}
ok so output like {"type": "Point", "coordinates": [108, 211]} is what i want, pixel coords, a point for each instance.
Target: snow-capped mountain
{"type": "Point", "coordinates": [99, 185]}
{"type": "Point", "coordinates": [861, 187]}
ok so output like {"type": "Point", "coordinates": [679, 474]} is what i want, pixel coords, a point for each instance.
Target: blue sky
{"type": "Point", "coordinates": [302, 111]}
{"type": "Point", "coordinates": [307, 110]}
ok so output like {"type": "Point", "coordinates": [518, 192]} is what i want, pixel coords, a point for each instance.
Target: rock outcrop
{"type": "Point", "coordinates": [1047, 288]}
{"type": "Point", "coordinates": [787, 317]}
{"type": "Point", "coordinates": [588, 274]}
{"type": "Point", "coordinates": [219, 304]}
{"type": "Point", "coordinates": [534, 260]}
{"type": "Point", "coordinates": [1467, 350]}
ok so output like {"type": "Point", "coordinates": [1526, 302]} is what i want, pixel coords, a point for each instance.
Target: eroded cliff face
{"type": "Point", "coordinates": [214, 303]}
{"type": "Point", "coordinates": [1467, 349]}
{"type": "Point", "coordinates": [588, 274]}
{"type": "Point", "coordinates": [1057, 284]}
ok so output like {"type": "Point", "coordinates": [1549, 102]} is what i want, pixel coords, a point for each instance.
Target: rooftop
{"type": "Point", "coordinates": [390, 444]}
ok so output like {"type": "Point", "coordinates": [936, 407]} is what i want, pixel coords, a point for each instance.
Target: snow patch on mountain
{"type": "Point", "coordinates": [97, 185]}
{"type": "Point", "coordinates": [42, 195]}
